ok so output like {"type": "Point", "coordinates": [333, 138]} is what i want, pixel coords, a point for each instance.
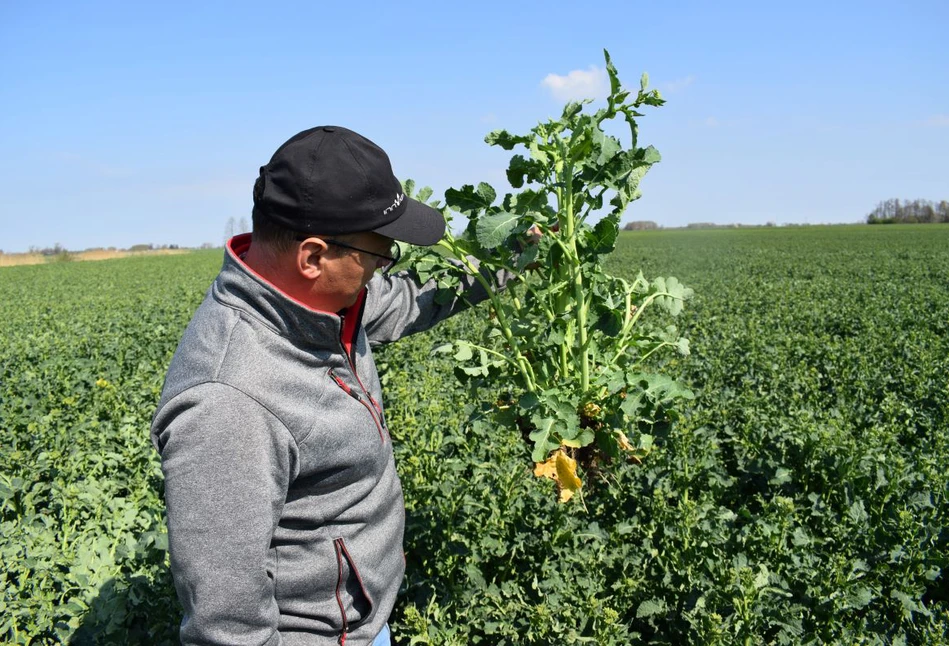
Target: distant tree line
{"type": "Point", "coordinates": [58, 249]}
{"type": "Point", "coordinates": [640, 225]}
{"type": "Point", "coordinates": [925, 211]}
{"type": "Point", "coordinates": [233, 228]}
{"type": "Point", "coordinates": [734, 225]}
{"type": "Point", "coordinates": [645, 225]}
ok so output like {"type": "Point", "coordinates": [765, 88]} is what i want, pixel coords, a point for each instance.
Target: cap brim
{"type": "Point", "coordinates": [419, 225]}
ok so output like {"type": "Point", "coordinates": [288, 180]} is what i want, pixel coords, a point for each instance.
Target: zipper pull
{"type": "Point", "coordinates": [342, 384]}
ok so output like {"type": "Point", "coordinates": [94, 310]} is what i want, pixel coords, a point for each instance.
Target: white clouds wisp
{"type": "Point", "coordinates": [578, 84]}
{"type": "Point", "coordinates": [677, 85]}
{"type": "Point", "coordinates": [937, 121]}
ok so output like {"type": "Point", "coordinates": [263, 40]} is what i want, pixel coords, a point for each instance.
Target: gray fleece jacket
{"type": "Point", "coordinates": [285, 511]}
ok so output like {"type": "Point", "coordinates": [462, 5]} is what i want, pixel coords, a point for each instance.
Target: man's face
{"type": "Point", "coordinates": [347, 271]}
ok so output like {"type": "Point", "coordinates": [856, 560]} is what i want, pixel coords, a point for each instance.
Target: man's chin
{"type": "Point", "coordinates": [351, 301]}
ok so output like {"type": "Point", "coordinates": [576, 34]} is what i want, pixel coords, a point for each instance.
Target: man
{"type": "Point", "coordinates": [285, 512]}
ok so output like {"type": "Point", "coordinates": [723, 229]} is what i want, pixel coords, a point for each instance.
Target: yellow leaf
{"type": "Point", "coordinates": [623, 441]}
{"type": "Point", "coordinates": [567, 476]}
{"type": "Point", "coordinates": [546, 469]}
{"type": "Point", "coordinates": [562, 469]}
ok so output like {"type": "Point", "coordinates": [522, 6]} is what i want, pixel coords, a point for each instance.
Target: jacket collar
{"type": "Point", "coordinates": [240, 287]}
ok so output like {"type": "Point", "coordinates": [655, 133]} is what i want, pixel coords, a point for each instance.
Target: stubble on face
{"type": "Point", "coordinates": [349, 271]}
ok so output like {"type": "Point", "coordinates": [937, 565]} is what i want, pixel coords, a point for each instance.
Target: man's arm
{"type": "Point", "coordinates": [227, 463]}
{"type": "Point", "coordinates": [397, 306]}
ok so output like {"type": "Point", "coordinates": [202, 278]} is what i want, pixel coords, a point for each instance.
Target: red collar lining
{"type": "Point", "coordinates": [351, 316]}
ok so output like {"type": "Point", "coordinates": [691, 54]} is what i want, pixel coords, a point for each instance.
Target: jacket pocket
{"type": "Point", "coordinates": [355, 605]}
{"type": "Point", "coordinates": [370, 405]}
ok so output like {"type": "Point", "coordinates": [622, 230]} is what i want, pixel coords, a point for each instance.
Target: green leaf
{"type": "Point", "coordinates": [761, 579]}
{"type": "Point", "coordinates": [555, 336]}
{"type": "Point", "coordinates": [566, 412]}
{"type": "Point", "coordinates": [543, 443]}
{"type": "Point", "coordinates": [517, 170]}
{"type": "Point", "coordinates": [604, 235]}
{"type": "Point", "coordinates": [527, 257]}
{"type": "Point", "coordinates": [584, 437]}
{"type": "Point", "coordinates": [469, 200]}
{"type": "Point", "coordinates": [781, 476]}
{"type": "Point", "coordinates": [464, 352]}
{"type": "Point", "coordinates": [682, 346]}
{"type": "Point", "coordinates": [610, 322]}
{"type": "Point", "coordinates": [615, 382]}
{"type": "Point", "coordinates": [492, 230]}
{"type": "Point", "coordinates": [486, 192]}
{"type": "Point", "coordinates": [800, 538]}
{"type": "Point", "coordinates": [572, 109]}
{"type": "Point", "coordinates": [606, 146]}
{"type": "Point", "coordinates": [651, 156]}
{"type": "Point", "coordinates": [910, 605]}
{"type": "Point", "coordinates": [674, 294]}
{"type": "Point", "coordinates": [650, 607]}
{"type": "Point", "coordinates": [615, 85]}
{"type": "Point", "coordinates": [528, 201]}
{"type": "Point", "coordinates": [424, 194]}
{"type": "Point", "coordinates": [658, 388]}
{"type": "Point", "coordinates": [444, 348]}
{"type": "Point", "coordinates": [860, 597]}
{"type": "Point", "coordinates": [528, 401]}
{"type": "Point", "coordinates": [537, 154]}
{"type": "Point", "coordinates": [506, 140]}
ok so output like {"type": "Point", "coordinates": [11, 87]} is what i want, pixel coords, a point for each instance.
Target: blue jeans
{"type": "Point", "coordinates": [383, 638]}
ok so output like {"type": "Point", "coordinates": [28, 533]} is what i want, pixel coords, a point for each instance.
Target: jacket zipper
{"type": "Point", "coordinates": [341, 551]}
{"type": "Point", "coordinates": [339, 599]}
{"type": "Point", "coordinates": [366, 390]}
{"type": "Point", "coordinates": [350, 358]}
{"type": "Point", "coordinates": [355, 395]}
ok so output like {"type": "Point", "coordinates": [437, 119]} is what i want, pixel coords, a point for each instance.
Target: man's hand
{"type": "Point", "coordinates": [534, 234]}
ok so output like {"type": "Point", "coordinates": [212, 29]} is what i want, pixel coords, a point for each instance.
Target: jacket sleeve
{"type": "Point", "coordinates": [227, 463]}
{"type": "Point", "coordinates": [397, 306]}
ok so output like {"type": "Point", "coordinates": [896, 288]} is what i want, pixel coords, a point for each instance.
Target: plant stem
{"type": "Point", "coordinates": [475, 346]}
{"type": "Point", "coordinates": [648, 354]}
{"type": "Point", "coordinates": [561, 302]}
{"type": "Point", "coordinates": [579, 299]}
{"type": "Point", "coordinates": [623, 336]}
{"type": "Point", "coordinates": [589, 208]}
{"type": "Point", "coordinates": [527, 372]}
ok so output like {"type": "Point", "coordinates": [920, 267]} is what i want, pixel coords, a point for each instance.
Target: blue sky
{"type": "Point", "coordinates": [125, 123]}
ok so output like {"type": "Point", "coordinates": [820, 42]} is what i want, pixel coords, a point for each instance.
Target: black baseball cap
{"type": "Point", "coordinates": [329, 180]}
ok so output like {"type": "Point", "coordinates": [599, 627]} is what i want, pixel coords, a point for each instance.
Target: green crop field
{"type": "Point", "coordinates": [801, 498]}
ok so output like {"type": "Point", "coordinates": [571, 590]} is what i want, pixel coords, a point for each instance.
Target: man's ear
{"type": "Point", "coordinates": [310, 258]}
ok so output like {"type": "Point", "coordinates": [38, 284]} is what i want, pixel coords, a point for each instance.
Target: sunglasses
{"type": "Point", "coordinates": [392, 260]}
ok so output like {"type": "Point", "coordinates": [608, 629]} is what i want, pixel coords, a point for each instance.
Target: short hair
{"type": "Point", "coordinates": [265, 231]}
{"type": "Point", "coordinates": [276, 237]}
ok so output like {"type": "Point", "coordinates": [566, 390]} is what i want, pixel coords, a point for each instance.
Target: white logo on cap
{"type": "Point", "coordinates": [398, 200]}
